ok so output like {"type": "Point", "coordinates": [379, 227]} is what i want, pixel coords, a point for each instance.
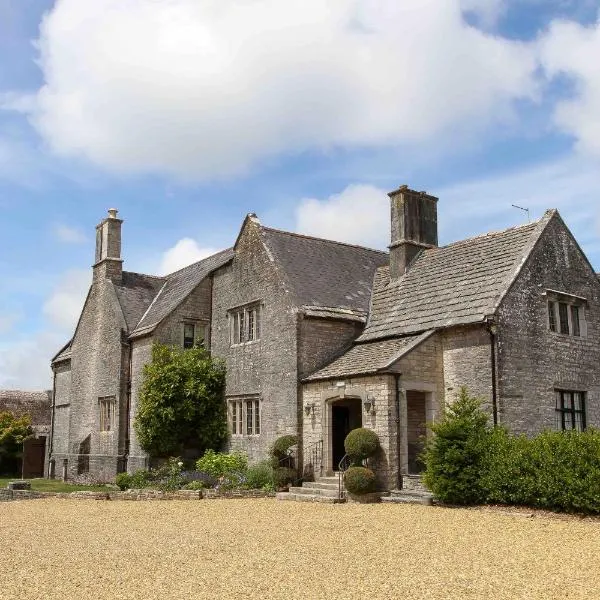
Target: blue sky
{"type": "Point", "coordinates": [188, 114]}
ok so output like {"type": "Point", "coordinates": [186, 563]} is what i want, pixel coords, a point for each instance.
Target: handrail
{"type": "Point", "coordinates": [313, 456]}
{"type": "Point", "coordinates": [343, 466]}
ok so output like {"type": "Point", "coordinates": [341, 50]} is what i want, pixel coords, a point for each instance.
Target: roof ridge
{"type": "Point", "coordinates": [531, 225]}
{"type": "Point", "coordinates": [196, 262]}
{"type": "Point", "coordinates": [144, 274]}
{"type": "Point", "coordinates": [312, 237]}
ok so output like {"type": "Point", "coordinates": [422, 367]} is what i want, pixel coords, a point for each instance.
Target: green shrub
{"type": "Point", "coordinates": [123, 481]}
{"type": "Point", "coordinates": [359, 480]}
{"type": "Point", "coordinates": [194, 485]}
{"type": "Point", "coordinates": [282, 445]}
{"type": "Point", "coordinates": [283, 477]}
{"type": "Point", "coordinates": [454, 456]}
{"type": "Point", "coordinates": [361, 444]}
{"type": "Point", "coordinates": [555, 470]}
{"type": "Point", "coordinates": [219, 464]}
{"type": "Point", "coordinates": [140, 479]}
{"type": "Point", "coordinates": [260, 476]}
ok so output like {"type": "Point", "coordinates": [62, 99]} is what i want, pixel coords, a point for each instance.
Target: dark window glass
{"type": "Point", "coordinates": [189, 330]}
{"type": "Point", "coordinates": [552, 315]}
{"type": "Point", "coordinates": [575, 320]}
{"type": "Point", "coordinates": [570, 410]}
{"type": "Point", "coordinates": [563, 313]}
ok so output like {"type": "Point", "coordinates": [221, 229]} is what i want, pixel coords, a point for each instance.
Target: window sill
{"type": "Point", "coordinates": [242, 344]}
{"type": "Point", "coordinates": [567, 335]}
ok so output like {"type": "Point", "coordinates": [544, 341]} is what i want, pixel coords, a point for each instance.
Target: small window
{"type": "Point", "coordinates": [244, 324]}
{"type": "Point", "coordinates": [189, 335]}
{"type": "Point", "coordinates": [106, 406]}
{"type": "Point", "coordinates": [570, 410]}
{"type": "Point", "coordinates": [567, 317]}
{"type": "Point", "coordinates": [244, 417]}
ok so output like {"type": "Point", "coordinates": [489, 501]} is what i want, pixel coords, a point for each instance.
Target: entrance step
{"type": "Point", "coordinates": [408, 497]}
{"type": "Point", "coordinates": [413, 483]}
{"type": "Point", "coordinates": [309, 498]}
{"type": "Point", "coordinates": [315, 491]}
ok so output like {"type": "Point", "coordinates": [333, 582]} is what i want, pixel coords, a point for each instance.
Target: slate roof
{"type": "Point", "coordinates": [177, 287]}
{"type": "Point", "coordinates": [35, 404]}
{"type": "Point", "coordinates": [369, 358]}
{"type": "Point", "coordinates": [135, 295]}
{"type": "Point", "coordinates": [457, 284]}
{"type": "Point", "coordinates": [323, 272]}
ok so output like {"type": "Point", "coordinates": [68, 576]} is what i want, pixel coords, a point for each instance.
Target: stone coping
{"type": "Point", "coordinates": [141, 494]}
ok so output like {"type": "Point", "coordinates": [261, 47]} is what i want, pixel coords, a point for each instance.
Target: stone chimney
{"type": "Point", "coordinates": [414, 227]}
{"type": "Point", "coordinates": [109, 264]}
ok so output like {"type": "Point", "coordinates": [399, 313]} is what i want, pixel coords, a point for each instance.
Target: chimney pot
{"type": "Point", "coordinates": [112, 213]}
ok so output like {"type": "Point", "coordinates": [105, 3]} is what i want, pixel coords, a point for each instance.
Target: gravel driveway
{"type": "Point", "coordinates": [97, 550]}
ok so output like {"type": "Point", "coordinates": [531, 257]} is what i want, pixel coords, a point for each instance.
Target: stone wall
{"type": "Point", "coordinates": [533, 361]}
{"type": "Point", "coordinates": [266, 368]}
{"type": "Point", "coordinates": [322, 340]}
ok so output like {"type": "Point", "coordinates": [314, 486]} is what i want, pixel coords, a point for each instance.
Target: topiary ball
{"type": "Point", "coordinates": [359, 480]}
{"type": "Point", "coordinates": [282, 445]}
{"type": "Point", "coordinates": [361, 443]}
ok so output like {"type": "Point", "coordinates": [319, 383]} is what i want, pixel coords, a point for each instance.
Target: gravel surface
{"type": "Point", "coordinates": [101, 550]}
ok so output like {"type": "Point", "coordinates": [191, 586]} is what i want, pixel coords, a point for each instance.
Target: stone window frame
{"type": "Point", "coordinates": [245, 324]}
{"type": "Point", "coordinates": [566, 314]}
{"type": "Point", "coordinates": [570, 410]}
{"type": "Point", "coordinates": [198, 326]}
{"type": "Point", "coordinates": [244, 416]}
{"type": "Point", "coordinates": [106, 413]}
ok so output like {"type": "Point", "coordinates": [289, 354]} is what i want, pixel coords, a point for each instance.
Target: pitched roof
{"type": "Point", "coordinates": [177, 287]}
{"type": "Point", "coordinates": [369, 358]}
{"type": "Point", "coordinates": [135, 294]}
{"type": "Point", "coordinates": [457, 284]}
{"type": "Point", "coordinates": [35, 404]}
{"type": "Point", "coordinates": [323, 272]}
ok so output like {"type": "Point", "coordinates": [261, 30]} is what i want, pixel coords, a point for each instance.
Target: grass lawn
{"type": "Point", "coordinates": [251, 549]}
{"type": "Point", "coordinates": [54, 485]}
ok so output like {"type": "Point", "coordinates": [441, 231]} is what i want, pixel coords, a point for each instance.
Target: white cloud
{"type": "Point", "coordinates": [63, 306]}
{"type": "Point", "coordinates": [8, 321]}
{"type": "Point", "coordinates": [205, 89]}
{"type": "Point", "coordinates": [25, 361]}
{"type": "Point", "coordinates": [360, 214]}
{"type": "Point", "coordinates": [68, 235]}
{"type": "Point", "coordinates": [185, 252]}
{"type": "Point", "coordinates": [572, 50]}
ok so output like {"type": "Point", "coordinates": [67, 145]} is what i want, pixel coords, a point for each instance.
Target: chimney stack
{"type": "Point", "coordinates": [109, 264]}
{"type": "Point", "coordinates": [414, 227]}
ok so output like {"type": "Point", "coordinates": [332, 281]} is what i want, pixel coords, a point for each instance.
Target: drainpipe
{"type": "Point", "coordinates": [493, 331]}
{"type": "Point", "coordinates": [398, 441]}
{"type": "Point", "coordinates": [128, 408]}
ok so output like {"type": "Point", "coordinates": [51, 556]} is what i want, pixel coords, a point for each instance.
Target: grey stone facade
{"type": "Point", "coordinates": [320, 337]}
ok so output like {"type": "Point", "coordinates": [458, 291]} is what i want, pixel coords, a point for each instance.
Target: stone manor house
{"type": "Point", "coordinates": [321, 337]}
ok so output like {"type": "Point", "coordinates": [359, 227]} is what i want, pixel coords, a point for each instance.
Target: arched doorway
{"type": "Point", "coordinates": [346, 415]}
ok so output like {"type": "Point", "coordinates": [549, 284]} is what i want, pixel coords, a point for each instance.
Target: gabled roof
{"type": "Point", "coordinates": [323, 272]}
{"type": "Point", "coordinates": [135, 294]}
{"type": "Point", "coordinates": [177, 287]}
{"type": "Point", "coordinates": [369, 358]}
{"type": "Point", "coordinates": [457, 284]}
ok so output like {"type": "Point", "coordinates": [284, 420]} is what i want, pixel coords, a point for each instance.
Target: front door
{"type": "Point", "coordinates": [346, 415]}
{"type": "Point", "coordinates": [416, 429]}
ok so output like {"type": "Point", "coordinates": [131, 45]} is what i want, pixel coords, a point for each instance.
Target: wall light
{"type": "Point", "coordinates": [309, 408]}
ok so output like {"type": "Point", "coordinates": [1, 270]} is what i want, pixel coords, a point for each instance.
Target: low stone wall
{"type": "Point", "coordinates": [7, 495]}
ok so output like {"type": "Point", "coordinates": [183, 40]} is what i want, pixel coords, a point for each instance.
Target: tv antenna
{"type": "Point", "coordinates": [525, 210]}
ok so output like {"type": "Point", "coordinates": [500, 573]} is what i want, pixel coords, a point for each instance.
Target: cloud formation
{"type": "Point", "coordinates": [185, 252]}
{"type": "Point", "coordinates": [68, 235]}
{"type": "Point", "coordinates": [207, 89]}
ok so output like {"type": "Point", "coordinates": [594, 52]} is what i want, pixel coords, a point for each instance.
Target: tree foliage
{"type": "Point", "coordinates": [181, 402]}
{"type": "Point", "coordinates": [13, 432]}
{"type": "Point", "coordinates": [454, 455]}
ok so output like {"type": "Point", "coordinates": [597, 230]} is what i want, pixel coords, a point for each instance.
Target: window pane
{"type": "Point", "coordinates": [250, 314]}
{"type": "Point", "coordinates": [188, 335]}
{"type": "Point", "coordinates": [568, 420]}
{"type": "Point", "coordinates": [241, 337]}
{"type": "Point", "coordinates": [575, 320]}
{"type": "Point", "coordinates": [552, 315]}
{"type": "Point", "coordinates": [233, 411]}
{"type": "Point", "coordinates": [563, 312]}
{"type": "Point", "coordinates": [249, 418]}
{"type": "Point", "coordinates": [256, 418]}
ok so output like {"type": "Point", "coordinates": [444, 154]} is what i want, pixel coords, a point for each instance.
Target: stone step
{"type": "Point", "coordinates": [408, 497]}
{"type": "Point", "coordinates": [309, 491]}
{"type": "Point", "coordinates": [309, 498]}
{"type": "Point", "coordinates": [320, 485]}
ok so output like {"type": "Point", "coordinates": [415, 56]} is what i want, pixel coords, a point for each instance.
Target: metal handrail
{"type": "Point", "coordinates": [314, 457]}
{"type": "Point", "coordinates": [343, 466]}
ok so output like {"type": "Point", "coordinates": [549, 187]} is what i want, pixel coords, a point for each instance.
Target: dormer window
{"type": "Point", "coordinates": [566, 314]}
